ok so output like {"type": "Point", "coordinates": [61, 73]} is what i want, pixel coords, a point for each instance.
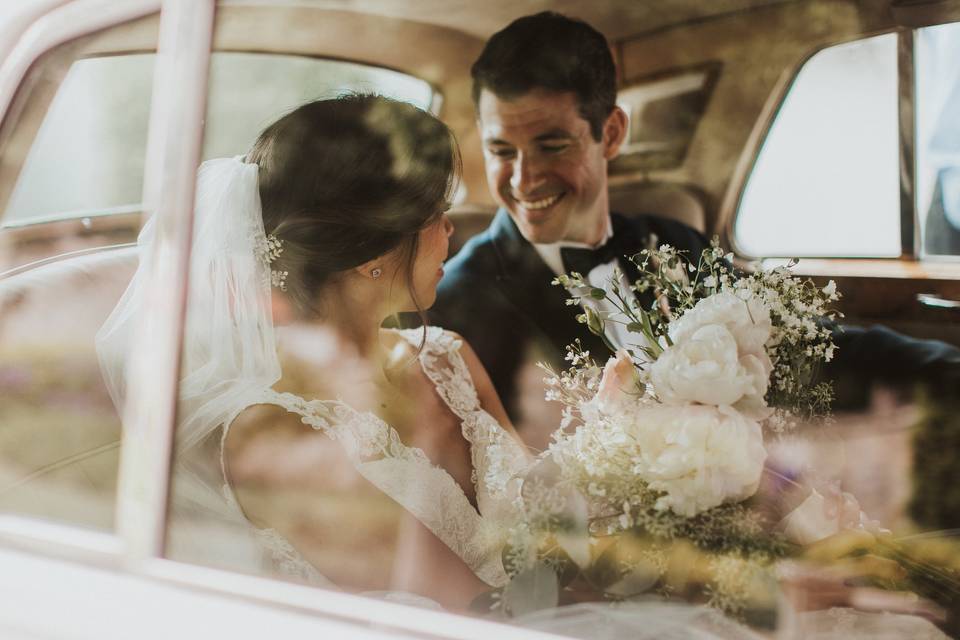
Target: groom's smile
{"type": "Point", "coordinates": [544, 166]}
{"type": "Point", "coordinates": [535, 209]}
{"type": "Point", "coordinates": [538, 204]}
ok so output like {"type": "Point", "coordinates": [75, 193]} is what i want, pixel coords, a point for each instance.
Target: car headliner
{"type": "Point", "coordinates": [617, 19]}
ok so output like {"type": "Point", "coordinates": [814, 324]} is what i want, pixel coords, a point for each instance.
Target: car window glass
{"type": "Point", "coordinates": [96, 158]}
{"type": "Point", "coordinates": [315, 483]}
{"type": "Point", "coordinates": [60, 435]}
{"type": "Point", "coordinates": [248, 91]}
{"type": "Point", "coordinates": [87, 158]}
{"type": "Point", "coordinates": [826, 180]}
{"type": "Point", "coordinates": [938, 138]}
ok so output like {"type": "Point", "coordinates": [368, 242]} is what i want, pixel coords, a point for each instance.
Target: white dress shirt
{"type": "Point", "coordinates": [599, 276]}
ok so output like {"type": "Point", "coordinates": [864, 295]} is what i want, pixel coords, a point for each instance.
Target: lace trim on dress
{"type": "Point", "coordinates": [288, 561]}
{"type": "Point", "coordinates": [498, 458]}
{"type": "Point", "coordinates": [405, 473]}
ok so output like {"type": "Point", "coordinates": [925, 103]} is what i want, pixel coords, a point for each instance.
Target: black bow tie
{"type": "Point", "coordinates": [584, 260]}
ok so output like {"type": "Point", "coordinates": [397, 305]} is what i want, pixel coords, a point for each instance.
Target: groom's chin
{"type": "Point", "coordinates": [545, 231]}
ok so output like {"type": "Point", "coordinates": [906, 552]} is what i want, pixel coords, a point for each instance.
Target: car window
{"type": "Point", "coordinates": [938, 138]}
{"type": "Point", "coordinates": [828, 169]}
{"type": "Point", "coordinates": [60, 435]}
{"type": "Point", "coordinates": [336, 524]}
{"type": "Point", "coordinates": [87, 158]}
{"type": "Point", "coordinates": [663, 112]}
{"type": "Point", "coordinates": [93, 138]}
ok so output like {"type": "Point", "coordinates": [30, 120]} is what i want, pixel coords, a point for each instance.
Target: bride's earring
{"type": "Point", "coordinates": [376, 273]}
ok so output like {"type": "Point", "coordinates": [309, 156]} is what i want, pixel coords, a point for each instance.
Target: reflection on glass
{"type": "Point", "coordinates": [938, 138]}
{"type": "Point", "coordinates": [315, 445]}
{"type": "Point", "coordinates": [59, 430]}
{"type": "Point", "coordinates": [826, 181]}
{"type": "Point", "coordinates": [91, 144]}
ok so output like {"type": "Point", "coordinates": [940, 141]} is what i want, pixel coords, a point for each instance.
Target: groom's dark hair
{"type": "Point", "coordinates": [550, 51]}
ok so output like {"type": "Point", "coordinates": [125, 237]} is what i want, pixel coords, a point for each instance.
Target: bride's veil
{"type": "Point", "coordinates": [229, 350]}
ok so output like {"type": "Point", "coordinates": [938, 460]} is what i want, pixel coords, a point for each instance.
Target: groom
{"type": "Point", "coordinates": [544, 89]}
{"type": "Point", "coordinates": [545, 93]}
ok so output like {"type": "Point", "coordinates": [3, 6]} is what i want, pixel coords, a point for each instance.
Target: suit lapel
{"type": "Point", "coordinates": [632, 234]}
{"type": "Point", "coordinates": [524, 278]}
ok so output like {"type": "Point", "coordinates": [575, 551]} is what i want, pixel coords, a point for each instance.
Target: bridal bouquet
{"type": "Point", "coordinates": [654, 484]}
{"type": "Point", "coordinates": [718, 359]}
{"type": "Point", "coordinates": [647, 485]}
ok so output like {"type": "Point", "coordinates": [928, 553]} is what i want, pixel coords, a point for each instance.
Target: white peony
{"type": "Point", "coordinates": [718, 356]}
{"type": "Point", "coordinates": [707, 368]}
{"type": "Point", "coordinates": [700, 456]}
{"type": "Point", "coordinates": [747, 320]}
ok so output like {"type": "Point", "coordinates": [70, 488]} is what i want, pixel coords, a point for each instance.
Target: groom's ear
{"type": "Point", "coordinates": [614, 132]}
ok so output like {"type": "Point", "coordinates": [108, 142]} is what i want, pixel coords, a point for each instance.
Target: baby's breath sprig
{"type": "Point", "coordinates": [626, 311]}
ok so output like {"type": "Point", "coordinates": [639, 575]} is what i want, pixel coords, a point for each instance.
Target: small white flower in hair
{"type": "Point", "coordinates": [278, 279]}
{"type": "Point", "coordinates": [268, 249]}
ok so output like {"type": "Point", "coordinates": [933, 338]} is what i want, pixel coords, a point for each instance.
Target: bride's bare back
{"type": "Point", "coordinates": [305, 485]}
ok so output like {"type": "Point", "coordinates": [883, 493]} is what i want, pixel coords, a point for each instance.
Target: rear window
{"type": "Point", "coordinates": [828, 170]}
{"type": "Point", "coordinates": [663, 113]}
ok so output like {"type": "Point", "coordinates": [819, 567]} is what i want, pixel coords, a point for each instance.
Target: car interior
{"type": "Point", "coordinates": [703, 83]}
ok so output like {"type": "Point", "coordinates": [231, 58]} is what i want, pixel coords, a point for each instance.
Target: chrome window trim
{"type": "Point", "coordinates": [906, 97]}
{"type": "Point", "coordinates": [75, 214]}
{"type": "Point", "coordinates": [63, 256]}
{"type": "Point", "coordinates": [15, 26]}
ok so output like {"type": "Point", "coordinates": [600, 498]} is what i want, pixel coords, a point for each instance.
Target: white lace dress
{"type": "Point", "coordinates": [404, 473]}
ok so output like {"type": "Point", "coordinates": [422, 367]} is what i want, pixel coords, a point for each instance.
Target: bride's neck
{"type": "Point", "coordinates": [356, 318]}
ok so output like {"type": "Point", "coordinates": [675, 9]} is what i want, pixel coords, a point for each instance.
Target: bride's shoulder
{"type": "Point", "coordinates": [450, 342]}
{"type": "Point", "coordinates": [259, 417]}
{"type": "Point", "coordinates": [430, 338]}
{"type": "Point", "coordinates": [280, 413]}
{"type": "Point", "coordinates": [256, 424]}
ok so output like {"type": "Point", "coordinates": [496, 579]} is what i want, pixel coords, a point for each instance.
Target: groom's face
{"type": "Point", "coordinates": [544, 166]}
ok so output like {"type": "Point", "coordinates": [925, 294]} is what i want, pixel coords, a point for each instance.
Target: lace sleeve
{"type": "Point", "coordinates": [499, 459]}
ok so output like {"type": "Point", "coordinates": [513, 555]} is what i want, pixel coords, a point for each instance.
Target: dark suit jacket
{"type": "Point", "coordinates": [496, 292]}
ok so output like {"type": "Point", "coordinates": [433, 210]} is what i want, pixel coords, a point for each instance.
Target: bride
{"type": "Point", "coordinates": [332, 223]}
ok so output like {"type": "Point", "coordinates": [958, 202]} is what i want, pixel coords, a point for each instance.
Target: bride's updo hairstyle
{"type": "Point", "coordinates": [346, 180]}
